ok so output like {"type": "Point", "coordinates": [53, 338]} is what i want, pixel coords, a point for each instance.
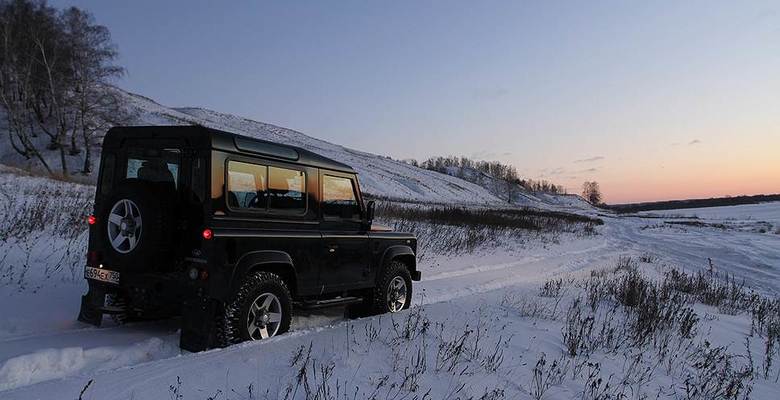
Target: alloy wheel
{"type": "Point", "coordinates": [265, 317]}
{"type": "Point", "coordinates": [396, 294]}
{"type": "Point", "coordinates": [124, 226]}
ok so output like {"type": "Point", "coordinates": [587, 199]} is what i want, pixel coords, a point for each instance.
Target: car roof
{"type": "Point", "coordinates": [202, 137]}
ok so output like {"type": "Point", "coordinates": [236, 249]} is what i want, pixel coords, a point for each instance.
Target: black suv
{"type": "Point", "coordinates": [232, 233]}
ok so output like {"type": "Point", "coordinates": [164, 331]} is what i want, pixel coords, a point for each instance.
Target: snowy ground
{"type": "Point", "coordinates": [480, 330]}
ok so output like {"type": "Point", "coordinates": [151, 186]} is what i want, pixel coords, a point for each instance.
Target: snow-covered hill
{"type": "Point", "coordinates": [379, 175]}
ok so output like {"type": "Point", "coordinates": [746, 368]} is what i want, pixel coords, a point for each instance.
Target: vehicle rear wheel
{"type": "Point", "coordinates": [394, 291]}
{"type": "Point", "coordinates": [261, 308]}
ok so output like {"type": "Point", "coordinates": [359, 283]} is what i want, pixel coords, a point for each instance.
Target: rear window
{"type": "Point", "coordinates": [264, 188]}
{"type": "Point", "coordinates": [154, 165]}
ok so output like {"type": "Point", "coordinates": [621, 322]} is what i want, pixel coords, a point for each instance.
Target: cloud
{"type": "Point", "coordinates": [694, 141]}
{"type": "Point", "coordinates": [585, 171]}
{"type": "Point", "coordinates": [592, 159]}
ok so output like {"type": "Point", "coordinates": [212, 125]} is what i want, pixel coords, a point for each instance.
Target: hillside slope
{"type": "Point", "coordinates": [379, 175]}
{"type": "Point", "coordinates": [520, 195]}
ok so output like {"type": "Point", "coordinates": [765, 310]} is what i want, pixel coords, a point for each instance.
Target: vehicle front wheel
{"type": "Point", "coordinates": [261, 308]}
{"type": "Point", "coordinates": [394, 291]}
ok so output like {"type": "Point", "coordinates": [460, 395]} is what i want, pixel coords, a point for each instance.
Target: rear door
{"type": "Point", "coordinates": [345, 251]}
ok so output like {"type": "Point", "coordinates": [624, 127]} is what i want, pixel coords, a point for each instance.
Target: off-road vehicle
{"type": "Point", "coordinates": [232, 234]}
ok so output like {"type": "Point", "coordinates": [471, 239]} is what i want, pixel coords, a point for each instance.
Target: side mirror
{"type": "Point", "coordinates": [370, 207]}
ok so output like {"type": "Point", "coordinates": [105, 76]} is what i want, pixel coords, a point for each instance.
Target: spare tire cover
{"type": "Point", "coordinates": [137, 225]}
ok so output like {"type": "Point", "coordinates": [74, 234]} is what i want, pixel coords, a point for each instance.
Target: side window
{"type": "Point", "coordinates": [286, 190]}
{"type": "Point", "coordinates": [154, 166]}
{"type": "Point", "coordinates": [338, 198]}
{"type": "Point", "coordinates": [198, 179]}
{"type": "Point", "coordinates": [107, 181]}
{"type": "Point", "coordinates": [246, 186]}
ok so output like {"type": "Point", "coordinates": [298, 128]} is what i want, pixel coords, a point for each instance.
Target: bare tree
{"type": "Point", "coordinates": [591, 192]}
{"type": "Point", "coordinates": [52, 109]}
{"type": "Point", "coordinates": [96, 106]}
{"type": "Point", "coordinates": [19, 71]}
{"type": "Point", "coordinates": [508, 179]}
{"type": "Point", "coordinates": [512, 182]}
{"type": "Point", "coordinates": [56, 68]}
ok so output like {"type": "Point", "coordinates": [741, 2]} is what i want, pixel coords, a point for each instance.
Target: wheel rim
{"type": "Point", "coordinates": [265, 317]}
{"type": "Point", "coordinates": [124, 226]}
{"type": "Point", "coordinates": [396, 294]}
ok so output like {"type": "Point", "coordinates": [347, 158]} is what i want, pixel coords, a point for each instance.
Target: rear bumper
{"type": "Point", "coordinates": [93, 304]}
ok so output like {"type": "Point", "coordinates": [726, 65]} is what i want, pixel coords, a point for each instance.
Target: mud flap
{"type": "Point", "coordinates": [198, 330]}
{"type": "Point", "coordinates": [91, 305]}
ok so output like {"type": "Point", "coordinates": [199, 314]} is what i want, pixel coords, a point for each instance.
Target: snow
{"type": "Point", "coordinates": [54, 363]}
{"type": "Point", "coordinates": [45, 353]}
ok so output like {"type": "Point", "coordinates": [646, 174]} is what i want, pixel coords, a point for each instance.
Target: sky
{"type": "Point", "coordinates": [664, 100]}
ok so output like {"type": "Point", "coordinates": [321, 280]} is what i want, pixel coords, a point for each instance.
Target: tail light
{"type": "Point", "coordinates": [207, 234]}
{"type": "Point", "coordinates": [92, 220]}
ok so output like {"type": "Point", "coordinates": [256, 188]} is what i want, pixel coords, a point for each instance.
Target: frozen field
{"type": "Point", "coordinates": [487, 325]}
{"type": "Point", "coordinates": [762, 218]}
{"type": "Point", "coordinates": [769, 212]}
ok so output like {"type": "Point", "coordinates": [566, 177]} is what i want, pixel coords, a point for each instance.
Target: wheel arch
{"type": "Point", "coordinates": [274, 261]}
{"type": "Point", "coordinates": [403, 254]}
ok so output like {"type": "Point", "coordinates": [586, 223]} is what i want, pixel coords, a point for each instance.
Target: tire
{"type": "Point", "coordinates": [395, 273]}
{"type": "Point", "coordinates": [137, 226]}
{"type": "Point", "coordinates": [239, 321]}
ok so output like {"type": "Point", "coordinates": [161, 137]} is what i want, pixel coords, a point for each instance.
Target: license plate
{"type": "Point", "coordinates": [102, 275]}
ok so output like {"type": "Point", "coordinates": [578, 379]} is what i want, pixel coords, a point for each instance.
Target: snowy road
{"type": "Point", "coordinates": [48, 353]}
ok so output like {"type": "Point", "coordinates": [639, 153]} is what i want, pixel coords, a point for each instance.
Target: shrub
{"type": "Point", "coordinates": [551, 288]}
{"type": "Point", "coordinates": [544, 376]}
{"type": "Point", "coordinates": [576, 329]}
{"type": "Point", "coordinates": [514, 218]}
{"type": "Point", "coordinates": [713, 289]}
{"type": "Point", "coordinates": [715, 376]}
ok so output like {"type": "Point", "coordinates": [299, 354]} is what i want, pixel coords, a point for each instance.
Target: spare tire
{"type": "Point", "coordinates": [137, 225]}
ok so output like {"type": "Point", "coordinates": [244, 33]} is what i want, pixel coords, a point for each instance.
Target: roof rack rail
{"type": "Point", "coordinates": [265, 148]}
